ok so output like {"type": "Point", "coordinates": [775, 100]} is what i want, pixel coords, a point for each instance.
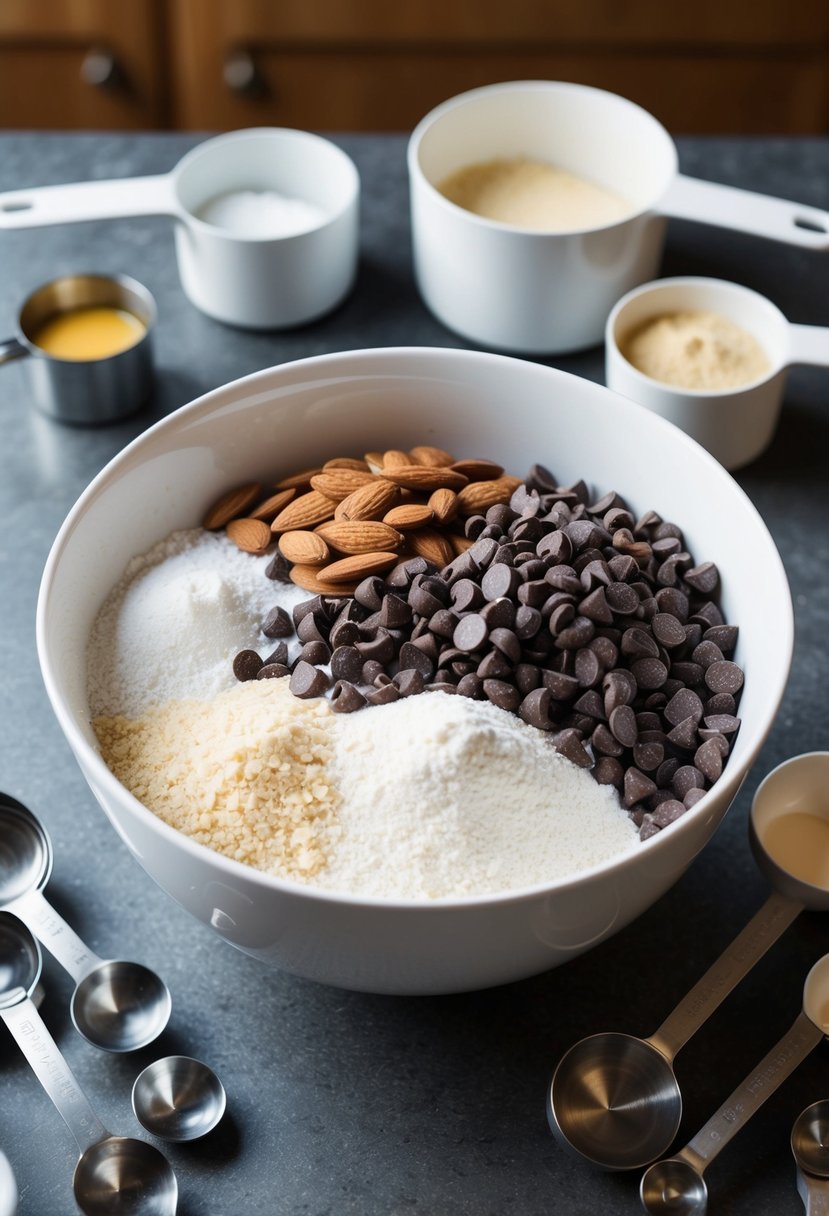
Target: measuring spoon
{"type": "Point", "coordinates": [614, 1098]}
{"type": "Point", "coordinates": [116, 1005]}
{"type": "Point", "coordinates": [114, 1173]}
{"type": "Point", "coordinates": [810, 1147]}
{"type": "Point", "coordinates": [676, 1185]}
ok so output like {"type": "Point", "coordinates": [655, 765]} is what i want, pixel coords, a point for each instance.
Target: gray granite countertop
{"type": "Point", "coordinates": [340, 1102]}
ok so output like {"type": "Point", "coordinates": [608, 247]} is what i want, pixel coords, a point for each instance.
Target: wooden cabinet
{"type": "Point", "coordinates": [93, 64]}
{"type": "Point", "coordinates": [743, 66]}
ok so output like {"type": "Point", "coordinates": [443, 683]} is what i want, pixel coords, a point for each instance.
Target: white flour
{"type": "Point", "coordinates": [261, 213]}
{"type": "Point", "coordinates": [171, 627]}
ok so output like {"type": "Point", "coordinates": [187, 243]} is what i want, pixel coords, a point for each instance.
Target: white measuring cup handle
{"type": "Point", "coordinates": [104, 200]}
{"type": "Point", "coordinates": [54, 1074]}
{"type": "Point", "coordinates": [688, 198]}
{"type": "Point", "coordinates": [809, 344]}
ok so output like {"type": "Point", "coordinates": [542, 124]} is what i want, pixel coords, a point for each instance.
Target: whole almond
{"type": "Point", "coordinates": [271, 507]}
{"type": "Point", "coordinates": [347, 569]}
{"type": "Point", "coordinates": [304, 512]}
{"type": "Point", "coordinates": [298, 481]}
{"type": "Point", "coordinates": [478, 470]}
{"type": "Point", "coordinates": [432, 545]}
{"type": "Point", "coordinates": [359, 536]}
{"type": "Point", "coordinates": [479, 496]}
{"type": "Point", "coordinates": [395, 459]}
{"type": "Point", "coordinates": [252, 535]}
{"type": "Point", "coordinates": [444, 503]}
{"type": "Point", "coordinates": [337, 484]}
{"type": "Point", "coordinates": [433, 457]}
{"type": "Point", "coordinates": [371, 501]}
{"type": "Point", "coordinates": [306, 548]}
{"type": "Point", "coordinates": [374, 460]}
{"type": "Point", "coordinates": [345, 462]}
{"type": "Point", "coordinates": [306, 577]}
{"type": "Point", "coordinates": [425, 478]}
{"type": "Point", "coordinates": [410, 515]}
{"type": "Point", "coordinates": [235, 502]}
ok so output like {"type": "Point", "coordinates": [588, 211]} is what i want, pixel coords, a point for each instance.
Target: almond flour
{"type": "Point", "coordinates": [696, 350]}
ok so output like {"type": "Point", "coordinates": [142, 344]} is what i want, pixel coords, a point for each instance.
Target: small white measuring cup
{"type": "Point", "coordinates": [254, 282]}
{"type": "Point", "coordinates": [735, 425]}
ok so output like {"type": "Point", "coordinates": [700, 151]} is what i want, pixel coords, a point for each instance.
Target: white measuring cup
{"type": "Point", "coordinates": [540, 292]}
{"type": "Point", "coordinates": [254, 282]}
{"type": "Point", "coordinates": [735, 425]}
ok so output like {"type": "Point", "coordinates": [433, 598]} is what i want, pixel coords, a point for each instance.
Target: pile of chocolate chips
{"type": "Point", "coordinates": [582, 620]}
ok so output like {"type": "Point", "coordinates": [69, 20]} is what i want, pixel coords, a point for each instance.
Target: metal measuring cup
{"type": "Point", "coordinates": [114, 1173]}
{"type": "Point", "coordinates": [676, 1187]}
{"type": "Point", "coordinates": [614, 1099]}
{"type": "Point", "coordinates": [85, 391]}
{"type": "Point", "coordinates": [810, 1149]}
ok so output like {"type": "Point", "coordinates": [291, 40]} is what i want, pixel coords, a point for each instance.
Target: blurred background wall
{"type": "Point", "coordinates": [738, 66]}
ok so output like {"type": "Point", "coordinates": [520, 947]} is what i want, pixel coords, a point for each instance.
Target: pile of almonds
{"type": "Point", "coordinates": [350, 518]}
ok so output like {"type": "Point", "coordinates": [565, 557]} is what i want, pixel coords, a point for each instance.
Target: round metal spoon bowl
{"type": "Point", "coordinates": [810, 1139]}
{"type": "Point", "coordinates": [117, 1005]}
{"type": "Point", "coordinates": [614, 1099]}
{"type": "Point", "coordinates": [121, 1006]}
{"type": "Point", "coordinates": [120, 1174]}
{"type": "Point", "coordinates": [675, 1187]}
{"type": "Point", "coordinates": [178, 1098]}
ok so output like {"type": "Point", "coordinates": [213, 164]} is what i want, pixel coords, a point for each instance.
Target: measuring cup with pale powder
{"type": "Point", "coordinates": [752, 347]}
{"type": "Point", "coordinates": [266, 222]}
{"type": "Point", "coordinates": [509, 282]}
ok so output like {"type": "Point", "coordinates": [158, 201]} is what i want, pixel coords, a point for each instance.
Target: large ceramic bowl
{"type": "Point", "coordinates": [476, 404]}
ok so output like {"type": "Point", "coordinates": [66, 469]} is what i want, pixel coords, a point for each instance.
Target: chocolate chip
{"type": "Point", "coordinates": [343, 633]}
{"type": "Point", "coordinates": [668, 630]}
{"type": "Point", "coordinates": [684, 704]}
{"type": "Point", "coordinates": [278, 569]}
{"type": "Point", "coordinates": [279, 654]}
{"type": "Point", "coordinates": [246, 665]}
{"type": "Point", "coordinates": [684, 734]}
{"type": "Point", "coordinates": [687, 777]}
{"type": "Point", "coordinates": [724, 724]}
{"type": "Point", "coordinates": [346, 663]}
{"type": "Point", "coordinates": [277, 624]}
{"type": "Point", "coordinates": [648, 756]}
{"type": "Point", "coordinates": [724, 636]}
{"type": "Point", "coordinates": [637, 787]}
{"type": "Point", "coordinates": [272, 671]}
{"type": "Point", "coordinates": [345, 698]}
{"type": "Point", "coordinates": [649, 673]}
{"type": "Point", "coordinates": [608, 771]}
{"type": "Point", "coordinates": [637, 643]}
{"type": "Point", "coordinates": [472, 686]}
{"type": "Point", "coordinates": [414, 658]}
{"type": "Point", "coordinates": [423, 601]}
{"type": "Point", "coordinates": [380, 647]}
{"type": "Point", "coordinates": [579, 634]}
{"type": "Point", "coordinates": [394, 612]}
{"type": "Point", "coordinates": [708, 759]}
{"type": "Point", "coordinates": [501, 614]}
{"type": "Point", "coordinates": [668, 812]}
{"type": "Point", "coordinates": [308, 681]}
{"type": "Point", "coordinates": [384, 695]}
{"type": "Point", "coordinates": [721, 703]}
{"type": "Point", "coordinates": [502, 694]}
{"type": "Point", "coordinates": [622, 723]}
{"type": "Point", "coordinates": [494, 666]}
{"type": "Point", "coordinates": [569, 744]}
{"type": "Point", "coordinates": [596, 607]}
{"type": "Point", "coordinates": [535, 708]}
{"type": "Point", "coordinates": [308, 629]}
{"type": "Point", "coordinates": [693, 796]}
{"type": "Point", "coordinates": [724, 676]}
{"type": "Point", "coordinates": [605, 742]}
{"type": "Point", "coordinates": [371, 670]}
{"type": "Point", "coordinates": [507, 642]}
{"type": "Point", "coordinates": [471, 631]}
{"type": "Point", "coordinates": [370, 592]}
{"type": "Point", "coordinates": [315, 653]}
{"type": "Point", "coordinates": [703, 578]}
{"type": "Point", "coordinates": [467, 596]}
{"type": "Point", "coordinates": [619, 689]}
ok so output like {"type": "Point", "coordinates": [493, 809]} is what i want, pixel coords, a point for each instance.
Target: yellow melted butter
{"type": "Point", "coordinates": [89, 333]}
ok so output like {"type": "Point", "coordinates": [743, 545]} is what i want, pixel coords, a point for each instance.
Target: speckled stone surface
{"type": "Point", "coordinates": [345, 1103]}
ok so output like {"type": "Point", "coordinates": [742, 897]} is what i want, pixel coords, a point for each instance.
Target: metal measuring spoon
{"type": "Point", "coordinates": [178, 1098]}
{"type": "Point", "coordinates": [810, 1147]}
{"type": "Point", "coordinates": [116, 1005]}
{"type": "Point", "coordinates": [114, 1173]}
{"type": "Point", "coordinates": [614, 1098]}
{"type": "Point", "coordinates": [676, 1187]}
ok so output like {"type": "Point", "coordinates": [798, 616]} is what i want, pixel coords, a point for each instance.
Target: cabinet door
{"type": "Point", "coordinates": [746, 66]}
{"type": "Point", "coordinates": [66, 65]}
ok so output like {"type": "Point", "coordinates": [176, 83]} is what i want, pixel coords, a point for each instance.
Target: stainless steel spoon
{"type": "Point", "coordinates": [614, 1099]}
{"type": "Point", "coordinates": [178, 1098]}
{"type": "Point", "coordinates": [114, 1173]}
{"type": "Point", "coordinates": [676, 1187]}
{"type": "Point", "coordinates": [116, 1005]}
{"type": "Point", "coordinates": [810, 1147]}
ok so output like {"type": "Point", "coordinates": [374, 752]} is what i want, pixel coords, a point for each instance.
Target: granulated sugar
{"type": "Point", "coordinates": [172, 625]}
{"type": "Point", "coordinates": [446, 796]}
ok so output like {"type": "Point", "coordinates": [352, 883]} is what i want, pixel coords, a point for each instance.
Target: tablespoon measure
{"type": "Point", "coordinates": [114, 1173]}
{"type": "Point", "coordinates": [676, 1187]}
{"type": "Point", "coordinates": [117, 1005]}
{"type": "Point", "coordinates": [614, 1098]}
{"type": "Point", "coordinates": [810, 1148]}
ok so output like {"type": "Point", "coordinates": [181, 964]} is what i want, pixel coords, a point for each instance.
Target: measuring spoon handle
{"type": "Point", "coordinates": [815, 1194]}
{"type": "Point", "coordinates": [750, 1095]}
{"type": "Point", "coordinates": [54, 1074]}
{"type": "Point", "coordinates": [735, 962]}
{"type": "Point", "coordinates": [96, 200]}
{"type": "Point", "coordinates": [60, 939]}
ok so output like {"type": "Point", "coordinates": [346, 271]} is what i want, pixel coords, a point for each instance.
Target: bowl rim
{"type": "Point", "coordinates": [256, 382]}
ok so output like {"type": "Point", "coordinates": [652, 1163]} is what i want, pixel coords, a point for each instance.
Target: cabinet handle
{"type": "Point", "coordinates": [101, 69]}
{"type": "Point", "coordinates": [241, 74]}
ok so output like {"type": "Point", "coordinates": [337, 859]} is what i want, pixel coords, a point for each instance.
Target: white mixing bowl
{"type": "Point", "coordinates": [474, 404]}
